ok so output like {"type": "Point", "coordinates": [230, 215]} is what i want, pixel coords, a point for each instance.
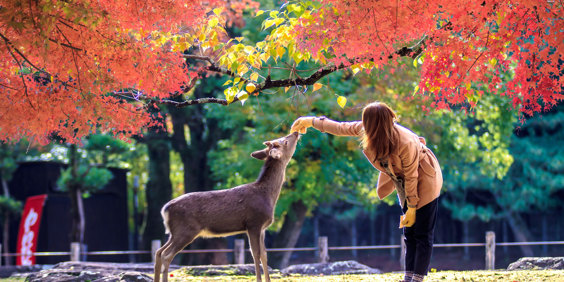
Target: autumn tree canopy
{"type": "Point", "coordinates": [71, 68]}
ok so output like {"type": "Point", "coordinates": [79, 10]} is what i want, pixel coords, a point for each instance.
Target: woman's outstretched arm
{"type": "Point", "coordinates": [323, 124]}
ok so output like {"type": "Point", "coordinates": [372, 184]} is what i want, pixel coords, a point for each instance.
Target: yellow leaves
{"type": "Point", "coordinates": [342, 101]}
{"type": "Point", "coordinates": [230, 93]}
{"type": "Point", "coordinates": [213, 22]}
{"type": "Point", "coordinates": [260, 12]}
{"type": "Point", "coordinates": [254, 77]}
{"type": "Point", "coordinates": [493, 62]}
{"type": "Point", "coordinates": [278, 21]}
{"type": "Point", "coordinates": [250, 87]}
{"type": "Point", "coordinates": [264, 57]}
{"type": "Point", "coordinates": [280, 51]}
{"type": "Point", "coordinates": [416, 89]}
{"type": "Point", "coordinates": [298, 57]}
{"type": "Point", "coordinates": [242, 96]}
{"type": "Point", "coordinates": [217, 11]}
{"type": "Point", "coordinates": [242, 69]}
{"type": "Point", "coordinates": [317, 86]}
{"type": "Point", "coordinates": [268, 23]}
{"type": "Point", "coordinates": [355, 69]}
{"type": "Point", "coordinates": [297, 9]}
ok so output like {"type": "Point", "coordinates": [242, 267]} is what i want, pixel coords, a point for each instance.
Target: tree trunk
{"type": "Point", "coordinates": [520, 232]}
{"type": "Point", "coordinates": [373, 228]}
{"type": "Point", "coordinates": [6, 229]}
{"type": "Point", "coordinates": [159, 188]}
{"type": "Point", "coordinates": [466, 239]}
{"type": "Point", "coordinates": [354, 238]}
{"type": "Point", "coordinates": [77, 214]}
{"type": "Point", "coordinates": [75, 195]}
{"type": "Point", "coordinates": [288, 235]}
{"type": "Point", "coordinates": [316, 233]}
{"type": "Point", "coordinates": [5, 238]}
{"type": "Point", "coordinates": [544, 234]}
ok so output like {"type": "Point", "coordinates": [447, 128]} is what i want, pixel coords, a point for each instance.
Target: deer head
{"type": "Point", "coordinates": [278, 149]}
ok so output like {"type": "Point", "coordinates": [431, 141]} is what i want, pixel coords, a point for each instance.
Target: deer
{"type": "Point", "coordinates": [247, 208]}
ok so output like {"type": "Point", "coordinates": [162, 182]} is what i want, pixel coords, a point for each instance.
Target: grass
{"type": "Point", "coordinates": [466, 276]}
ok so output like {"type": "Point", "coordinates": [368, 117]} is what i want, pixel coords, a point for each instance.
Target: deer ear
{"type": "Point", "coordinates": [260, 155]}
{"type": "Point", "coordinates": [275, 154]}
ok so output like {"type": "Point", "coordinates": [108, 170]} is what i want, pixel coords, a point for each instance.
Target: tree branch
{"type": "Point", "coordinates": [268, 83]}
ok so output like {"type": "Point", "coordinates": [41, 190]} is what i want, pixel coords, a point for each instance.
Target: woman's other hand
{"type": "Point", "coordinates": [408, 219]}
{"type": "Point", "coordinates": [302, 124]}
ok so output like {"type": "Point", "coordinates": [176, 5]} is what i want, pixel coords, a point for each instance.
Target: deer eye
{"type": "Point", "coordinates": [285, 142]}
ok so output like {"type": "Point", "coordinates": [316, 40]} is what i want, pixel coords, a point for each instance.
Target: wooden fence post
{"type": "Point", "coordinates": [402, 252]}
{"type": "Point", "coordinates": [239, 251]}
{"type": "Point", "coordinates": [155, 246]}
{"type": "Point", "coordinates": [75, 251]}
{"type": "Point", "coordinates": [323, 246]}
{"type": "Point", "coordinates": [490, 250]}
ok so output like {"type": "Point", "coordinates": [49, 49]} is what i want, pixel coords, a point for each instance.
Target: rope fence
{"type": "Point", "coordinates": [322, 249]}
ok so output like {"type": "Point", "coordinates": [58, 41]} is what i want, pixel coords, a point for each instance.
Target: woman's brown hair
{"type": "Point", "coordinates": [380, 135]}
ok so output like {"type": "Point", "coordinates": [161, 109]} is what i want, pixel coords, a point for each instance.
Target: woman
{"type": "Point", "coordinates": [405, 164]}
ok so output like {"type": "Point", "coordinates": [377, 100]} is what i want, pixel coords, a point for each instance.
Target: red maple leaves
{"type": "Point", "coordinates": [61, 60]}
{"type": "Point", "coordinates": [467, 45]}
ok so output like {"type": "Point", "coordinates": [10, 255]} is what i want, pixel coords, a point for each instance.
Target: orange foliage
{"type": "Point", "coordinates": [60, 62]}
{"type": "Point", "coordinates": [467, 44]}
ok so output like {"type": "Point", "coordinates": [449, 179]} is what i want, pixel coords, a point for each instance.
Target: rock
{"type": "Point", "coordinates": [11, 270]}
{"type": "Point", "coordinates": [220, 270]}
{"type": "Point", "coordinates": [539, 263]}
{"type": "Point", "coordinates": [93, 271]}
{"type": "Point", "coordinates": [331, 268]}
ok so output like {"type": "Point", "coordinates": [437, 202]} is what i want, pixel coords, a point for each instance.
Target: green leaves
{"type": "Point", "coordinates": [89, 179]}
{"type": "Point", "coordinates": [9, 205]}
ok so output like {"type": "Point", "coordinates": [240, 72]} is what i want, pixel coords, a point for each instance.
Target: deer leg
{"type": "Point", "coordinates": [254, 241]}
{"type": "Point", "coordinates": [158, 260]}
{"type": "Point", "coordinates": [263, 258]}
{"type": "Point", "coordinates": [178, 243]}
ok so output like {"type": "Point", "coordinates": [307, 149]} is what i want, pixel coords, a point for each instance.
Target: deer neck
{"type": "Point", "coordinates": [272, 176]}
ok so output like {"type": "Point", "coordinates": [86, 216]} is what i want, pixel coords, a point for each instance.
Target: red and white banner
{"type": "Point", "coordinates": [29, 229]}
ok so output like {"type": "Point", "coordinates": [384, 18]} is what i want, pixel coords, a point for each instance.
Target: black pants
{"type": "Point", "coordinates": [419, 238]}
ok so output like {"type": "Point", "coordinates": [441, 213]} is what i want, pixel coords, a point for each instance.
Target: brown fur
{"type": "Point", "coordinates": [248, 208]}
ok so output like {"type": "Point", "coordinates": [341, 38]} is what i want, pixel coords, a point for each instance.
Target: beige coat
{"type": "Point", "coordinates": [412, 161]}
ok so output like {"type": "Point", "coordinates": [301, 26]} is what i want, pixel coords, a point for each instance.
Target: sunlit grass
{"type": "Point", "coordinates": [466, 276]}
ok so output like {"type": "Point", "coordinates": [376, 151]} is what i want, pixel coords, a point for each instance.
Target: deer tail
{"type": "Point", "coordinates": [164, 214]}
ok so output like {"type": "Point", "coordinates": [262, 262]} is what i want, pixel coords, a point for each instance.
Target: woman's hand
{"type": "Point", "coordinates": [302, 124]}
{"type": "Point", "coordinates": [408, 219]}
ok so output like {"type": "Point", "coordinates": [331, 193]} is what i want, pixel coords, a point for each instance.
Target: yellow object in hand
{"type": "Point", "coordinates": [408, 219]}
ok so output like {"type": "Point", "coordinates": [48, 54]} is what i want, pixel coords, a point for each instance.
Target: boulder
{"type": "Point", "coordinates": [9, 270]}
{"type": "Point", "coordinates": [331, 268]}
{"type": "Point", "coordinates": [537, 263]}
{"type": "Point", "coordinates": [92, 271]}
